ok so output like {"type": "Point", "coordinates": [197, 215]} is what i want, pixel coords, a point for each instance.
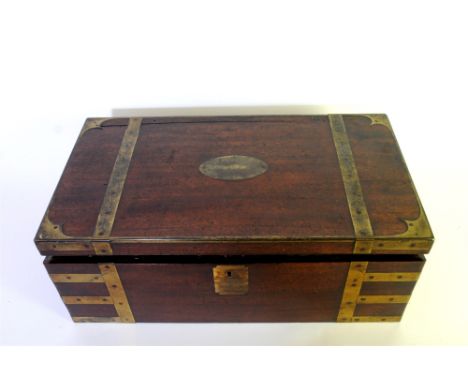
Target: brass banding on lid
{"type": "Point", "coordinates": [115, 187]}
{"type": "Point", "coordinates": [356, 204]}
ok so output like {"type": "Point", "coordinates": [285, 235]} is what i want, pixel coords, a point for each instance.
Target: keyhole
{"type": "Point", "coordinates": [229, 274]}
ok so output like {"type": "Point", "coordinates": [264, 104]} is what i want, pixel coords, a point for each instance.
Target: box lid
{"type": "Point", "coordinates": [256, 185]}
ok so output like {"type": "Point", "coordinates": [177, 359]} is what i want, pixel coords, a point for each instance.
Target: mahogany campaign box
{"type": "Point", "coordinates": [235, 219]}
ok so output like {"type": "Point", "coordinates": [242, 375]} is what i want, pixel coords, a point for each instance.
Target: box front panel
{"type": "Point", "coordinates": [276, 292]}
{"type": "Point", "coordinates": [294, 291]}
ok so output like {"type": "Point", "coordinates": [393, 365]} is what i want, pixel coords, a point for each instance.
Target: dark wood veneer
{"type": "Point", "coordinates": [300, 196]}
{"type": "Point", "coordinates": [292, 231]}
{"type": "Point", "coordinates": [281, 289]}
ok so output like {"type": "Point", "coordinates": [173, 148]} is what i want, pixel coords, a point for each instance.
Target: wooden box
{"type": "Point", "coordinates": [235, 219]}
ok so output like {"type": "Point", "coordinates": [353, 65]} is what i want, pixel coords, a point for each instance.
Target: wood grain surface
{"type": "Point", "coordinates": [303, 289]}
{"type": "Point", "coordinates": [298, 206]}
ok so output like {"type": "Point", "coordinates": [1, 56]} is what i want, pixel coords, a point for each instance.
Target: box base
{"type": "Point", "coordinates": [223, 289]}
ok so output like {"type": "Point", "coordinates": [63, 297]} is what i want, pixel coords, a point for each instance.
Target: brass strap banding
{"type": "Point", "coordinates": [352, 297]}
{"type": "Point", "coordinates": [116, 291]}
{"type": "Point", "coordinates": [352, 288]}
{"type": "Point", "coordinates": [76, 278]}
{"type": "Point", "coordinates": [117, 296]}
{"type": "Point", "coordinates": [93, 300]}
{"type": "Point", "coordinates": [376, 318]}
{"type": "Point", "coordinates": [392, 277]}
{"type": "Point", "coordinates": [357, 207]}
{"type": "Point", "coordinates": [383, 299]}
{"type": "Point", "coordinates": [96, 319]}
{"type": "Point", "coordinates": [115, 187]}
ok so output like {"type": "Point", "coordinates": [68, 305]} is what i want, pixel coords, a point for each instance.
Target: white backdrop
{"type": "Point", "coordinates": [64, 61]}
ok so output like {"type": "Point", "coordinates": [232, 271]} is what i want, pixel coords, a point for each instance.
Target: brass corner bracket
{"type": "Point", "coordinates": [418, 227]}
{"type": "Point", "coordinates": [379, 119]}
{"type": "Point", "coordinates": [92, 123]}
{"type": "Point", "coordinates": [50, 230]}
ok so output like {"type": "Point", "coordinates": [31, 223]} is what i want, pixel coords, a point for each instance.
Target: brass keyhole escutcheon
{"type": "Point", "coordinates": [231, 279]}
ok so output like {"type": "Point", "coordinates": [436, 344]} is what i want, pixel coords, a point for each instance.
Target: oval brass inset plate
{"type": "Point", "coordinates": [233, 167]}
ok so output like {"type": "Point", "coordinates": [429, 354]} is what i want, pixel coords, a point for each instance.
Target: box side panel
{"type": "Point", "coordinates": [385, 290]}
{"type": "Point", "coordinates": [86, 291]}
